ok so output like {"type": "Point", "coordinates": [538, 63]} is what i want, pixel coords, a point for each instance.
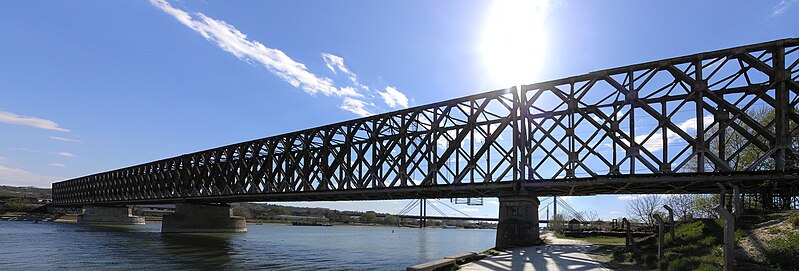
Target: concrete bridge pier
{"type": "Point", "coordinates": [203, 218]}
{"type": "Point", "coordinates": [112, 215]}
{"type": "Point", "coordinates": [518, 220]}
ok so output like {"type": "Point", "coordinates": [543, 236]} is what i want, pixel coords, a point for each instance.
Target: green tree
{"type": "Point", "coordinates": [390, 220]}
{"type": "Point", "coordinates": [368, 217]}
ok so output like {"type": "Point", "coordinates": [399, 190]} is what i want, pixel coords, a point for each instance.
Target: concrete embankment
{"type": "Point", "coordinates": [448, 261]}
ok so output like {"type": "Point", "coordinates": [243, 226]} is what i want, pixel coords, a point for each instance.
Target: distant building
{"type": "Point", "coordinates": [574, 224]}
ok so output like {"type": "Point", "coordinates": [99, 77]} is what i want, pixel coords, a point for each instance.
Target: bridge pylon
{"type": "Point", "coordinates": [109, 215]}
{"type": "Point", "coordinates": [203, 218]}
{"type": "Point", "coordinates": [518, 220]}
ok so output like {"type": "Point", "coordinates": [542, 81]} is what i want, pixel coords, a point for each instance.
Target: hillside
{"type": "Point", "coordinates": [764, 241]}
{"type": "Point", "coordinates": [25, 192]}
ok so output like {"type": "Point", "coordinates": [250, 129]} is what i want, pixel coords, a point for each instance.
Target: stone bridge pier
{"type": "Point", "coordinates": [203, 218]}
{"type": "Point", "coordinates": [111, 215]}
{"type": "Point", "coordinates": [518, 220]}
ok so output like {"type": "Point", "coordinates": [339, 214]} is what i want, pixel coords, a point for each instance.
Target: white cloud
{"type": "Point", "coordinates": [3, 159]}
{"type": "Point", "coordinates": [615, 212]}
{"type": "Point", "coordinates": [627, 197]}
{"type": "Point", "coordinates": [15, 119]}
{"type": "Point", "coordinates": [355, 106]}
{"type": "Point", "coordinates": [655, 142]}
{"type": "Point", "coordinates": [57, 165]}
{"type": "Point", "coordinates": [65, 139]}
{"type": "Point", "coordinates": [394, 98]}
{"type": "Point", "coordinates": [334, 62]}
{"type": "Point", "coordinates": [230, 39]}
{"type": "Point", "coordinates": [19, 177]}
{"type": "Point", "coordinates": [233, 41]}
{"type": "Point", "coordinates": [66, 154]}
{"type": "Point", "coordinates": [781, 7]}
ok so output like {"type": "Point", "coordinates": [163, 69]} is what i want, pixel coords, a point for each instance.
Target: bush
{"type": "Point", "coordinates": [783, 252]}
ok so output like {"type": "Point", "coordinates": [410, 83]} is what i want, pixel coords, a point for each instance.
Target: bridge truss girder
{"type": "Point", "coordinates": [671, 126]}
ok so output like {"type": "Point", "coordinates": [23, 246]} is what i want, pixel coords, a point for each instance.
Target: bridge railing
{"type": "Point", "coordinates": [722, 111]}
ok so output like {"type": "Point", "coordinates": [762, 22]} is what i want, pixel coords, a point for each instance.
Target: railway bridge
{"type": "Point", "coordinates": [680, 125]}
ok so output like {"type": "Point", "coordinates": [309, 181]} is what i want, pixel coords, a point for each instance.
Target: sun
{"type": "Point", "coordinates": [514, 40]}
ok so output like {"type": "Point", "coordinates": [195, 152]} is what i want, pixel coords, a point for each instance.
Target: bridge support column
{"type": "Point", "coordinates": [518, 221]}
{"type": "Point", "coordinates": [116, 215]}
{"type": "Point", "coordinates": [197, 218]}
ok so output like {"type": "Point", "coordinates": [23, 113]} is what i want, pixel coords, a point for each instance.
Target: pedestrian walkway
{"type": "Point", "coordinates": [560, 254]}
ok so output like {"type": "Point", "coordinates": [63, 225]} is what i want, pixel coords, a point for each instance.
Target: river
{"type": "Point", "coordinates": [50, 246]}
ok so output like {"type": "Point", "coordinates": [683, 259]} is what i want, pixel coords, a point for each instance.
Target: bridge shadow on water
{"type": "Point", "coordinates": [135, 246]}
{"type": "Point", "coordinates": [203, 251]}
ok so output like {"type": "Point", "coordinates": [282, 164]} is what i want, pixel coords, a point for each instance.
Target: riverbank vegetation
{"type": "Point", "coordinates": [764, 241]}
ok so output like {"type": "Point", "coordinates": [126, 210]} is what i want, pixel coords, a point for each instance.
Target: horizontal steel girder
{"type": "Point", "coordinates": [671, 126]}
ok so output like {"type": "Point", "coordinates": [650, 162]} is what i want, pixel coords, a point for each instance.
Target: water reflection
{"type": "Point", "coordinates": [52, 246]}
{"type": "Point", "coordinates": [206, 251]}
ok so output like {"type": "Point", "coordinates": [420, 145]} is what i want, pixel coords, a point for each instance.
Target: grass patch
{"type": "Point", "coordinates": [794, 221]}
{"type": "Point", "coordinates": [783, 252]}
{"type": "Point", "coordinates": [697, 246]}
{"type": "Point", "coordinates": [774, 231]}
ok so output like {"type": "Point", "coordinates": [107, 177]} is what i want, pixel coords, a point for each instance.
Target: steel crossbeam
{"type": "Point", "coordinates": [671, 126]}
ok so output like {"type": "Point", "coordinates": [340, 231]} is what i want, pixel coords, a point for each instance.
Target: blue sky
{"type": "Point", "coordinates": [91, 86]}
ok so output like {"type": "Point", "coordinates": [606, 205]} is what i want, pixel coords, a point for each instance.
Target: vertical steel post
{"type": "Point", "coordinates": [671, 221]}
{"type": "Point", "coordinates": [628, 240]}
{"type": "Point", "coordinates": [778, 78]}
{"type": "Point", "coordinates": [660, 235]}
{"type": "Point", "coordinates": [729, 237]}
{"type": "Point", "coordinates": [736, 199]}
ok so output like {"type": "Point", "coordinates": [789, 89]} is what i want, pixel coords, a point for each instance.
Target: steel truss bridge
{"type": "Point", "coordinates": [677, 125]}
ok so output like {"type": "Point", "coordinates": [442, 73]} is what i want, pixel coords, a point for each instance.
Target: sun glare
{"type": "Point", "coordinates": [514, 41]}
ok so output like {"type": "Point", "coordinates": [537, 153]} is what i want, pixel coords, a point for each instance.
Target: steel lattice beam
{"type": "Point", "coordinates": [671, 126]}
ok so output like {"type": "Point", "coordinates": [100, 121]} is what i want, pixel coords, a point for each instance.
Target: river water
{"type": "Point", "coordinates": [50, 246]}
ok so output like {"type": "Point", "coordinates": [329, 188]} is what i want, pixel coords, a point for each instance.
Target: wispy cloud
{"type": "Point", "coordinates": [781, 7]}
{"type": "Point", "coordinates": [65, 139]}
{"type": "Point", "coordinates": [3, 159]}
{"type": "Point", "coordinates": [334, 62]}
{"type": "Point", "coordinates": [356, 106]}
{"type": "Point", "coordinates": [655, 142]}
{"type": "Point", "coordinates": [66, 154]}
{"type": "Point", "coordinates": [57, 165]}
{"type": "Point", "coordinates": [614, 212]}
{"type": "Point", "coordinates": [394, 98]}
{"type": "Point", "coordinates": [11, 118]}
{"type": "Point", "coordinates": [627, 197]}
{"type": "Point", "coordinates": [230, 39]}
{"type": "Point", "coordinates": [20, 177]}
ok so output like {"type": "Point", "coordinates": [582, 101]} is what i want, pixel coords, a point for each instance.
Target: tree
{"type": "Point", "coordinates": [556, 224]}
{"type": "Point", "coordinates": [683, 205]}
{"type": "Point", "coordinates": [368, 217]}
{"type": "Point", "coordinates": [704, 204]}
{"type": "Point", "coordinates": [390, 219]}
{"type": "Point", "coordinates": [643, 207]}
{"type": "Point", "coordinates": [590, 216]}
